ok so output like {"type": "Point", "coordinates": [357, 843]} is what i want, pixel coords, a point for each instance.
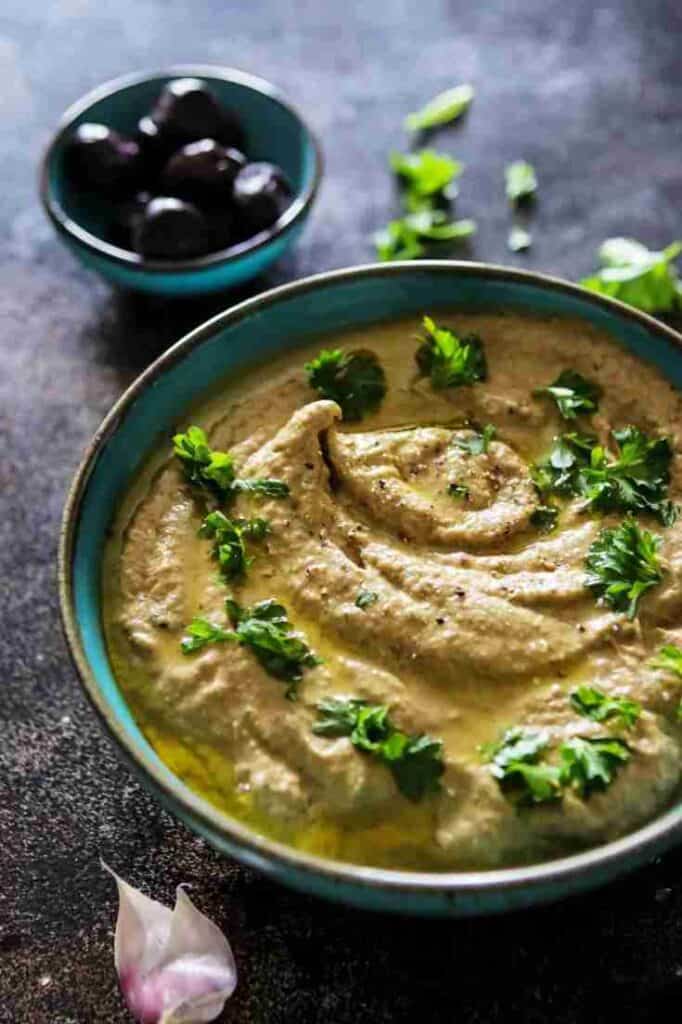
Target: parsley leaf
{"type": "Point", "coordinates": [442, 109]}
{"type": "Point", "coordinates": [416, 234]}
{"type": "Point", "coordinates": [642, 277]}
{"type": "Point", "coordinates": [558, 472]}
{"type": "Point", "coordinates": [212, 471]}
{"type": "Point", "coordinates": [426, 172]}
{"type": "Point", "coordinates": [366, 598]}
{"type": "Point", "coordinates": [545, 518]}
{"type": "Point", "coordinates": [519, 239]}
{"type": "Point", "coordinates": [450, 361]}
{"type": "Point", "coordinates": [515, 762]}
{"type": "Point", "coordinates": [230, 536]}
{"type": "Point", "coordinates": [572, 393]}
{"type": "Point", "coordinates": [622, 564]}
{"type": "Point", "coordinates": [355, 380]}
{"type": "Point", "coordinates": [265, 487]}
{"type": "Point", "coordinates": [520, 181]}
{"type": "Point", "coordinates": [458, 491]}
{"type": "Point", "coordinates": [592, 703]}
{"type": "Point", "coordinates": [478, 443]}
{"type": "Point", "coordinates": [416, 762]}
{"type": "Point", "coordinates": [266, 630]}
{"type": "Point", "coordinates": [591, 764]}
{"type": "Point", "coordinates": [201, 632]}
{"type": "Point", "coordinates": [636, 481]}
{"type": "Point", "coordinates": [669, 657]}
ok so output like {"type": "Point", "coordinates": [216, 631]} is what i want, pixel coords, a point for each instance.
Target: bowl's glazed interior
{"type": "Point", "coordinates": [251, 333]}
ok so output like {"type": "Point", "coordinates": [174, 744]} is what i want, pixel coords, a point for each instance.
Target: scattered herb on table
{"type": "Point", "coordinates": [448, 360]}
{"type": "Point", "coordinates": [573, 394]}
{"type": "Point", "coordinates": [416, 234]}
{"type": "Point", "coordinates": [355, 380]}
{"type": "Point", "coordinates": [515, 761]}
{"type": "Point", "coordinates": [415, 761]}
{"type": "Point", "coordinates": [644, 278]}
{"type": "Point", "coordinates": [426, 173]}
{"type": "Point", "coordinates": [545, 518]}
{"type": "Point", "coordinates": [623, 564]}
{"type": "Point", "coordinates": [521, 182]}
{"type": "Point", "coordinates": [589, 765]}
{"type": "Point", "coordinates": [229, 537]}
{"type": "Point", "coordinates": [519, 239]}
{"type": "Point", "coordinates": [444, 108]}
{"type": "Point", "coordinates": [366, 598]}
{"type": "Point", "coordinates": [478, 443]}
{"type": "Point", "coordinates": [458, 491]}
{"type": "Point", "coordinates": [592, 703]}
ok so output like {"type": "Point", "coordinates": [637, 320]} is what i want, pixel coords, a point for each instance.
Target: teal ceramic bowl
{"type": "Point", "coordinates": [249, 333]}
{"type": "Point", "coordinates": [274, 132]}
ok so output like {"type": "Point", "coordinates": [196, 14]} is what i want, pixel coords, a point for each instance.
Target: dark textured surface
{"type": "Point", "coordinates": [591, 94]}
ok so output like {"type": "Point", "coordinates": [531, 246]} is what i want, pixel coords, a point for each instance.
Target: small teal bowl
{"type": "Point", "coordinates": [254, 332]}
{"type": "Point", "coordinates": [274, 132]}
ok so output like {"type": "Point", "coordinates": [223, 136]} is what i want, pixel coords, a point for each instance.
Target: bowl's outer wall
{"type": "Point", "coordinates": [274, 326]}
{"type": "Point", "coordinates": [273, 133]}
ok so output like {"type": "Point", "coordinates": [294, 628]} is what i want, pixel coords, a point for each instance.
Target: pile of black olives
{"type": "Point", "coordinates": [182, 186]}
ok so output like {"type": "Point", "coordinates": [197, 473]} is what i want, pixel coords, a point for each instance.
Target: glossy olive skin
{"type": "Point", "coordinates": [126, 215]}
{"type": "Point", "coordinates": [202, 171]}
{"type": "Point", "coordinates": [261, 193]}
{"type": "Point", "coordinates": [187, 111]}
{"type": "Point", "coordinates": [100, 157]}
{"type": "Point", "coordinates": [170, 228]}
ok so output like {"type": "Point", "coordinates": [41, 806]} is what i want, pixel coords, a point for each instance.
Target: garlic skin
{"type": "Point", "coordinates": [174, 966]}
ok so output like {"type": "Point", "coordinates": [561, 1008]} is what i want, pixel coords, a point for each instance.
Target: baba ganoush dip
{"type": "Point", "coordinates": [412, 596]}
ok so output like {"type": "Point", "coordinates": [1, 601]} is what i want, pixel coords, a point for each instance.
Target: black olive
{"type": "Point", "coordinates": [102, 158]}
{"type": "Point", "coordinates": [170, 228]}
{"type": "Point", "coordinates": [126, 216]}
{"type": "Point", "coordinates": [224, 227]}
{"type": "Point", "coordinates": [187, 110]}
{"type": "Point", "coordinates": [156, 148]}
{"type": "Point", "coordinates": [203, 171]}
{"type": "Point", "coordinates": [261, 194]}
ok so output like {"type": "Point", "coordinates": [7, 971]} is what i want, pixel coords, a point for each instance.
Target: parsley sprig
{"type": "Point", "coordinates": [622, 565]}
{"type": "Point", "coordinates": [670, 658]}
{"type": "Point", "coordinates": [477, 443]}
{"type": "Point", "coordinates": [447, 106]}
{"type": "Point", "coordinates": [592, 703]}
{"type": "Point", "coordinates": [521, 182]}
{"type": "Point", "coordinates": [448, 360]}
{"type": "Point", "coordinates": [213, 472]}
{"type": "Point", "coordinates": [230, 537]}
{"type": "Point", "coordinates": [515, 761]}
{"type": "Point", "coordinates": [415, 761]}
{"type": "Point", "coordinates": [590, 765]}
{"type": "Point", "coordinates": [642, 277]}
{"type": "Point", "coordinates": [424, 174]}
{"type": "Point", "coordinates": [572, 393]}
{"type": "Point", "coordinates": [355, 380]}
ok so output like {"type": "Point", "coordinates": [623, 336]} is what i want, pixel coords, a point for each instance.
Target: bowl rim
{"type": "Point", "coordinates": [624, 852]}
{"type": "Point", "coordinates": [65, 224]}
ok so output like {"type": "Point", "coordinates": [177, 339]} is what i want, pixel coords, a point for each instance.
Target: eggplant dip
{"type": "Point", "coordinates": [412, 597]}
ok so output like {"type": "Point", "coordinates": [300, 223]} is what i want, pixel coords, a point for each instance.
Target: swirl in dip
{"type": "Point", "coordinates": [417, 563]}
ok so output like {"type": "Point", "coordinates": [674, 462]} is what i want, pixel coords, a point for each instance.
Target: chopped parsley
{"type": "Point", "coordinates": [477, 443]}
{"type": "Point", "coordinates": [417, 234]}
{"type": "Point", "coordinates": [229, 537]}
{"type": "Point", "coordinates": [458, 491]}
{"type": "Point", "coordinates": [592, 703]}
{"type": "Point", "coordinates": [521, 182]}
{"type": "Point", "coordinates": [545, 518]}
{"type": "Point", "coordinates": [425, 173]}
{"type": "Point", "coordinates": [519, 239]}
{"type": "Point", "coordinates": [642, 277]}
{"type": "Point", "coordinates": [670, 658]}
{"type": "Point", "coordinates": [515, 761]}
{"type": "Point", "coordinates": [264, 487]}
{"type": "Point", "coordinates": [416, 762]}
{"type": "Point", "coordinates": [201, 632]}
{"type": "Point", "coordinates": [589, 765]}
{"type": "Point", "coordinates": [366, 598]}
{"type": "Point", "coordinates": [447, 106]}
{"type": "Point", "coordinates": [355, 380]}
{"type": "Point", "coordinates": [558, 472]}
{"type": "Point", "coordinates": [622, 564]}
{"type": "Point", "coordinates": [573, 394]}
{"type": "Point", "coordinates": [448, 360]}
{"type": "Point", "coordinates": [212, 471]}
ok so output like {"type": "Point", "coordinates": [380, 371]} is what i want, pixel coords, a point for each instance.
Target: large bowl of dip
{"type": "Point", "coordinates": [418, 697]}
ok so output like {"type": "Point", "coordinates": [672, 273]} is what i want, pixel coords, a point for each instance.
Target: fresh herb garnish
{"type": "Point", "coordinates": [425, 173]}
{"type": "Point", "coordinates": [477, 443]}
{"type": "Point", "coordinates": [545, 517]}
{"type": "Point", "coordinates": [355, 380]}
{"type": "Point", "coordinates": [450, 361]}
{"type": "Point", "coordinates": [458, 491]}
{"type": "Point", "coordinates": [558, 472]}
{"type": "Point", "coordinates": [519, 239]}
{"type": "Point", "coordinates": [416, 762]}
{"type": "Point", "coordinates": [230, 536]}
{"type": "Point", "coordinates": [442, 109]}
{"type": "Point", "coordinates": [266, 630]}
{"type": "Point", "coordinates": [573, 394]}
{"type": "Point", "coordinates": [210, 470]}
{"type": "Point", "coordinates": [515, 761]}
{"type": "Point", "coordinates": [264, 487]}
{"type": "Point", "coordinates": [520, 181]}
{"type": "Point", "coordinates": [589, 765]}
{"type": "Point", "coordinates": [642, 277]}
{"type": "Point", "coordinates": [670, 658]}
{"type": "Point", "coordinates": [366, 598]}
{"type": "Point", "coordinates": [592, 703]}
{"type": "Point", "coordinates": [622, 564]}
{"type": "Point", "coordinates": [415, 235]}
{"type": "Point", "coordinates": [201, 632]}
